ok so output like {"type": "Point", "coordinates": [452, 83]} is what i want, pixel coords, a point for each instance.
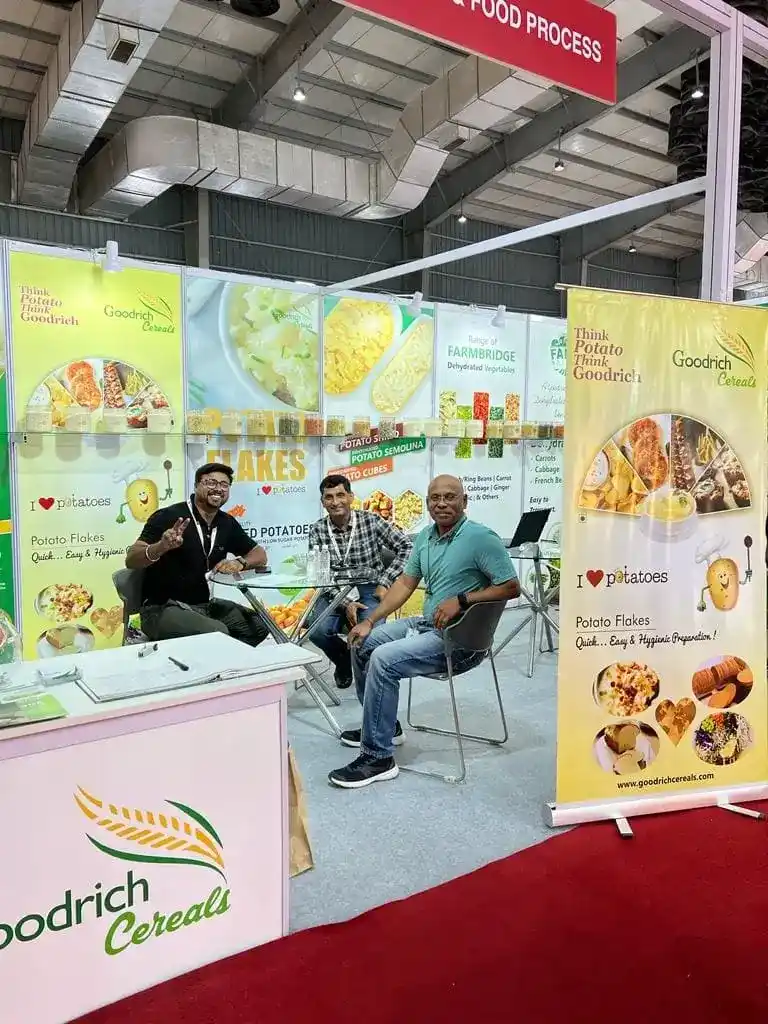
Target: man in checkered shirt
{"type": "Point", "coordinates": [356, 541]}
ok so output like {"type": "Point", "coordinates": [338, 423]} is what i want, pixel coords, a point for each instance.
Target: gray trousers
{"type": "Point", "coordinates": [172, 620]}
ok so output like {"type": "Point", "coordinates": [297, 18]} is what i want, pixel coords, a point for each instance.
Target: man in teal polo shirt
{"type": "Point", "coordinates": [461, 563]}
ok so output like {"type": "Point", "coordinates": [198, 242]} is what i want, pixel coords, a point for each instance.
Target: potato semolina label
{"type": "Point", "coordinates": [98, 381]}
{"type": "Point", "coordinates": [662, 684]}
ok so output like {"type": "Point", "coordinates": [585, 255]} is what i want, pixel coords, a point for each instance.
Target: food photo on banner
{"type": "Point", "coordinates": [662, 686]}
{"type": "Point", "coordinates": [275, 496]}
{"type": "Point", "coordinates": [253, 352]}
{"type": "Point", "coordinates": [101, 450]}
{"type": "Point", "coordinates": [377, 364]}
{"type": "Point", "coordinates": [480, 382]}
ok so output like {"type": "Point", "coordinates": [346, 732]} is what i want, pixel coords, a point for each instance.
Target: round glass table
{"type": "Point", "coordinates": [253, 585]}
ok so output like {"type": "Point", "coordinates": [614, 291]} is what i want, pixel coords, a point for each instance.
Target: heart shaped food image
{"type": "Point", "coordinates": [676, 719]}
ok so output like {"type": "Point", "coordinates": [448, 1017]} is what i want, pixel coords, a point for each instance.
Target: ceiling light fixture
{"type": "Point", "coordinates": [111, 262]}
{"type": "Point", "coordinates": [462, 218]}
{"type": "Point", "coordinates": [298, 93]}
{"type": "Point", "coordinates": [698, 92]}
{"type": "Point", "coordinates": [559, 164]}
{"type": "Point", "coordinates": [414, 306]}
{"type": "Point", "coordinates": [632, 248]}
{"type": "Point", "coordinates": [499, 317]}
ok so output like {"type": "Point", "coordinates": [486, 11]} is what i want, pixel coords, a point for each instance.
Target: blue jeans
{"type": "Point", "coordinates": [385, 657]}
{"type": "Point", "coordinates": [325, 635]}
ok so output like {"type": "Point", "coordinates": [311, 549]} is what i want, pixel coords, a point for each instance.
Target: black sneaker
{"type": "Point", "coordinates": [342, 680]}
{"type": "Point", "coordinates": [363, 771]}
{"type": "Point", "coordinates": [352, 737]}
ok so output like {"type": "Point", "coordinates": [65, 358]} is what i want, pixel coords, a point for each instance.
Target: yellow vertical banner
{"type": "Point", "coordinates": [97, 384]}
{"type": "Point", "coordinates": [662, 671]}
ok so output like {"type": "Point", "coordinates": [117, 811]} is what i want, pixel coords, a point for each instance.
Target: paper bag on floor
{"type": "Point", "coordinates": [301, 851]}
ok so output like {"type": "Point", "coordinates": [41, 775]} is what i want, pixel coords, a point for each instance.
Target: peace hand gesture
{"type": "Point", "coordinates": [174, 535]}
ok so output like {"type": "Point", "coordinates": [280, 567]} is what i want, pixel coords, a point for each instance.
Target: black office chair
{"type": "Point", "coordinates": [472, 632]}
{"type": "Point", "coordinates": [128, 586]}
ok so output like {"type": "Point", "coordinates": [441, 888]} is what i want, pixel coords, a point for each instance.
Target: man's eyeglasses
{"type": "Point", "coordinates": [215, 485]}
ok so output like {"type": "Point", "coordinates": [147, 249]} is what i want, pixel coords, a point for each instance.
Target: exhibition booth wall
{"type": "Point", "coordinates": [119, 383]}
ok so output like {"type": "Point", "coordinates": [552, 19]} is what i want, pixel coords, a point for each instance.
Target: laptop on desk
{"type": "Point", "coordinates": [530, 528]}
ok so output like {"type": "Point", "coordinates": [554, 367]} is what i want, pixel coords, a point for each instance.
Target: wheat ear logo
{"type": "Point", "coordinates": [178, 836]}
{"type": "Point", "coordinates": [157, 305]}
{"type": "Point", "coordinates": [737, 346]}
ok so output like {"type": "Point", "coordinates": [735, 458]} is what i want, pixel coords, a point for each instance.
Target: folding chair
{"type": "Point", "coordinates": [472, 632]}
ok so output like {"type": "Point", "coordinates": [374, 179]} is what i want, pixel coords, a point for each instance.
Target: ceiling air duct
{"type": "Point", "coordinates": [152, 154]}
{"type": "Point", "coordinates": [101, 47]}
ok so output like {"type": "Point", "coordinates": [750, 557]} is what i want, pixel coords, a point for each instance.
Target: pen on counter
{"type": "Point", "coordinates": [179, 664]}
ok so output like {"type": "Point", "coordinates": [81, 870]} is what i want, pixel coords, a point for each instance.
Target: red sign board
{"type": "Point", "coordinates": [569, 42]}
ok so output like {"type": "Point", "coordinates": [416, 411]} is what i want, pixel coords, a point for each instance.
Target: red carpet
{"type": "Point", "coordinates": [670, 926]}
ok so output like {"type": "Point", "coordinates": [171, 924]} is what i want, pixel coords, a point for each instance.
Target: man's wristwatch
{"type": "Point", "coordinates": [463, 602]}
{"type": "Point", "coordinates": [242, 561]}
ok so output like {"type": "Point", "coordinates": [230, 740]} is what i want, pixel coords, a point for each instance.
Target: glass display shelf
{"type": "Point", "coordinates": [22, 434]}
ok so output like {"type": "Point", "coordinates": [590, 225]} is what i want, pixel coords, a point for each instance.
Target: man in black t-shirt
{"type": "Point", "coordinates": [178, 547]}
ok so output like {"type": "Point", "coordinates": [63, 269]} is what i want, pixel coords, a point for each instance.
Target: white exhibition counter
{"type": "Point", "coordinates": [143, 837]}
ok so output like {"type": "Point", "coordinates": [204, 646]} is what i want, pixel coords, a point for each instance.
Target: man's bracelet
{"type": "Point", "coordinates": [149, 557]}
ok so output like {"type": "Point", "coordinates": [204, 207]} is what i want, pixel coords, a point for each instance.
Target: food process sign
{"type": "Point", "coordinates": [570, 42]}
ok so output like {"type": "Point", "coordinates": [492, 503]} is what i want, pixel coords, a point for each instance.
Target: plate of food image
{"type": "Point", "coordinates": [409, 510]}
{"type": "Point", "coordinates": [723, 487]}
{"type": "Point", "coordinates": [626, 688]}
{"type": "Point", "coordinates": [669, 469]}
{"type": "Point", "coordinates": [722, 738]}
{"type": "Point", "coordinates": [358, 333]}
{"type": "Point", "coordinates": [69, 639]}
{"type": "Point", "coordinates": [669, 515]}
{"type": "Point", "coordinates": [381, 504]}
{"type": "Point", "coordinates": [645, 444]}
{"type": "Point", "coordinates": [722, 682]}
{"type": "Point", "coordinates": [95, 386]}
{"type": "Point", "coordinates": [626, 748]}
{"type": "Point", "coordinates": [63, 602]}
{"type": "Point", "coordinates": [271, 340]}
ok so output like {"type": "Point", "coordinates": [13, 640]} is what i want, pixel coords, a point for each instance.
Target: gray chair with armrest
{"type": "Point", "coordinates": [472, 632]}
{"type": "Point", "coordinates": [127, 583]}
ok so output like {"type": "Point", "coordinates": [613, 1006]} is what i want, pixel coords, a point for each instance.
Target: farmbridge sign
{"type": "Point", "coordinates": [569, 42]}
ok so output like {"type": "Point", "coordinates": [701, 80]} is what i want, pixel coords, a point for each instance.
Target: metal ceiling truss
{"type": "Point", "coordinates": [646, 70]}
{"type": "Point", "coordinates": [308, 33]}
{"type": "Point", "coordinates": [735, 37]}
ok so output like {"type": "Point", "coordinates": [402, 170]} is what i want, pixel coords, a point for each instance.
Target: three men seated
{"type": "Point", "coordinates": [459, 561]}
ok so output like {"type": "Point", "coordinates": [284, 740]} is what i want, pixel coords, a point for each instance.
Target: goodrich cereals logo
{"type": "Point", "coordinates": [174, 838]}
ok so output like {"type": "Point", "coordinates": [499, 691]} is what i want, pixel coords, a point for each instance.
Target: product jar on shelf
{"type": "Point", "coordinates": [361, 426]}
{"type": "Point", "coordinates": [159, 421]}
{"type": "Point", "coordinates": [414, 428]}
{"type": "Point", "coordinates": [259, 423]}
{"type": "Point", "coordinates": [433, 428]}
{"type": "Point", "coordinates": [197, 421]}
{"type": "Point", "coordinates": [474, 428]}
{"type": "Point", "coordinates": [288, 424]}
{"type": "Point", "coordinates": [494, 428]}
{"type": "Point", "coordinates": [39, 419]}
{"type": "Point", "coordinates": [512, 430]}
{"type": "Point", "coordinates": [115, 421]}
{"type": "Point", "coordinates": [231, 423]}
{"type": "Point", "coordinates": [77, 421]}
{"type": "Point", "coordinates": [455, 428]}
{"type": "Point", "coordinates": [314, 425]}
{"type": "Point", "coordinates": [336, 426]}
